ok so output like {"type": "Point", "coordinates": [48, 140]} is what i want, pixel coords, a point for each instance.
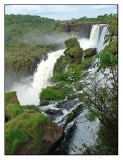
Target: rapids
{"type": "Point", "coordinates": [28, 90]}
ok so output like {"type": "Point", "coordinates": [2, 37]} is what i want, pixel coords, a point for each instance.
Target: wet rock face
{"type": "Point", "coordinates": [50, 137]}
{"type": "Point", "coordinates": [83, 29]}
{"type": "Point", "coordinates": [52, 113]}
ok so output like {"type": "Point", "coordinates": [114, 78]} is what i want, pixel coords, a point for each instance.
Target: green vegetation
{"type": "Point", "coordinates": [60, 65]}
{"type": "Point", "coordinates": [102, 102]}
{"type": "Point", "coordinates": [26, 39]}
{"type": "Point", "coordinates": [64, 79]}
{"type": "Point", "coordinates": [72, 42]}
{"type": "Point", "coordinates": [90, 52]}
{"type": "Point", "coordinates": [73, 52]}
{"type": "Point", "coordinates": [17, 26]}
{"type": "Point", "coordinates": [111, 19]}
{"type": "Point", "coordinates": [13, 108]}
{"type": "Point", "coordinates": [28, 124]}
{"type": "Point", "coordinates": [56, 93]}
{"type": "Point", "coordinates": [112, 47]}
{"type": "Point", "coordinates": [11, 98]}
{"type": "Point", "coordinates": [23, 59]}
{"type": "Point", "coordinates": [25, 122]}
{"type": "Point", "coordinates": [69, 118]}
{"type": "Point", "coordinates": [14, 140]}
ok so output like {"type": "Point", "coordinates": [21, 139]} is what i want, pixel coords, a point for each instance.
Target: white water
{"type": "Point", "coordinates": [85, 133]}
{"type": "Point", "coordinates": [95, 41]}
{"type": "Point", "coordinates": [28, 93]}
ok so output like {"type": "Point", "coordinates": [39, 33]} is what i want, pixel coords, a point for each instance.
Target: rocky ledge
{"type": "Point", "coordinates": [27, 130]}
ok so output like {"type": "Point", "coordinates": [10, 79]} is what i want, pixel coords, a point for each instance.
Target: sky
{"type": "Point", "coordinates": [61, 12]}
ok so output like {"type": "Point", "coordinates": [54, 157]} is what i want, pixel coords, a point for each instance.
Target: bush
{"type": "Point", "coordinates": [56, 93]}
{"type": "Point", "coordinates": [71, 42]}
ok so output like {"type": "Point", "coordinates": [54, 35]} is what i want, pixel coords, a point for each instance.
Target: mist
{"type": "Point", "coordinates": [46, 38]}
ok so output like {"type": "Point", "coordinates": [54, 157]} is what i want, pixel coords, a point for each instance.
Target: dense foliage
{"type": "Point", "coordinates": [16, 27]}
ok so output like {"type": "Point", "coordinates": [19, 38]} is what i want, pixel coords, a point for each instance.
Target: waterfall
{"type": "Point", "coordinates": [45, 71]}
{"type": "Point", "coordinates": [96, 39]}
{"type": "Point", "coordinates": [101, 44]}
{"type": "Point", "coordinates": [28, 91]}
{"type": "Point", "coordinates": [94, 36]}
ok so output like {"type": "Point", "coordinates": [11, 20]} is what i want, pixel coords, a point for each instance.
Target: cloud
{"type": "Point", "coordinates": [61, 11]}
{"type": "Point", "coordinates": [102, 6]}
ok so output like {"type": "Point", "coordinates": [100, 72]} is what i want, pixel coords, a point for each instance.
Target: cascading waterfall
{"type": "Point", "coordinates": [96, 40]}
{"type": "Point", "coordinates": [45, 71]}
{"type": "Point", "coordinates": [29, 89]}
{"type": "Point", "coordinates": [28, 93]}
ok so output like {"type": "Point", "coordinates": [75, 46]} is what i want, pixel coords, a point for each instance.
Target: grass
{"type": "Point", "coordinates": [12, 106]}
{"type": "Point", "coordinates": [28, 124]}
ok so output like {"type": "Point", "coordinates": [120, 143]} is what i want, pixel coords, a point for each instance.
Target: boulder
{"type": "Point", "coordinates": [27, 130]}
{"type": "Point", "coordinates": [31, 133]}
{"type": "Point", "coordinates": [54, 112]}
{"type": "Point", "coordinates": [73, 53]}
{"type": "Point", "coordinates": [71, 42]}
{"type": "Point", "coordinates": [90, 52]}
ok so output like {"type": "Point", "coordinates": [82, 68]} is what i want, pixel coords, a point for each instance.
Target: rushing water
{"type": "Point", "coordinates": [28, 93]}
{"type": "Point", "coordinates": [28, 90]}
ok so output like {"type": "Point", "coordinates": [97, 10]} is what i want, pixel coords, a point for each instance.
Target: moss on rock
{"type": "Point", "coordinates": [72, 42]}
{"type": "Point", "coordinates": [73, 53]}
{"type": "Point", "coordinates": [60, 65]}
{"type": "Point", "coordinates": [28, 131]}
{"type": "Point", "coordinates": [90, 52]}
{"type": "Point", "coordinates": [29, 124]}
{"type": "Point", "coordinates": [13, 107]}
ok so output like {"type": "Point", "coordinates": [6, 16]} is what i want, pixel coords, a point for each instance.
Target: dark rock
{"type": "Point", "coordinates": [49, 138]}
{"type": "Point", "coordinates": [83, 29]}
{"type": "Point", "coordinates": [66, 104]}
{"type": "Point", "coordinates": [75, 112]}
{"type": "Point", "coordinates": [87, 66]}
{"type": "Point", "coordinates": [63, 148]}
{"type": "Point", "coordinates": [113, 38]}
{"type": "Point", "coordinates": [54, 112]}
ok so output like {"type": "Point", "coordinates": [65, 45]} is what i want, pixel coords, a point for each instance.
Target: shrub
{"type": "Point", "coordinates": [56, 93]}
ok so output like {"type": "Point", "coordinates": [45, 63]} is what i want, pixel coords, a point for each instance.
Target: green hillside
{"type": "Point", "coordinates": [17, 26]}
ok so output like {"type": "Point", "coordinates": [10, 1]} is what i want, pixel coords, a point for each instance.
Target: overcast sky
{"type": "Point", "coordinates": [61, 12]}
